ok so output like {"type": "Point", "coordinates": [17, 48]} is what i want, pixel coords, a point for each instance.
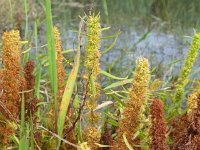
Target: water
{"type": "Point", "coordinates": [164, 44]}
{"type": "Point", "coordinates": [160, 48]}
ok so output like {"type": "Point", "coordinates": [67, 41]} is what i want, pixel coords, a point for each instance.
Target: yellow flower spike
{"type": "Point", "coordinates": [92, 48]}
{"type": "Point", "coordinates": [189, 63]}
{"type": "Point", "coordinates": [92, 58]}
{"type": "Point", "coordinates": [132, 114]}
{"type": "Point", "coordinates": [92, 64]}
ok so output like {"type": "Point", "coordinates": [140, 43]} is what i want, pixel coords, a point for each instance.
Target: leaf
{"type": "Point", "coordinates": [67, 51]}
{"type": "Point", "coordinates": [32, 133]}
{"type": "Point", "coordinates": [117, 99]}
{"type": "Point", "coordinates": [113, 122]}
{"type": "Point", "coordinates": [26, 51]}
{"type": "Point", "coordinates": [119, 83]}
{"type": "Point", "coordinates": [105, 104]}
{"type": "Point", "coordinates": [22, 142]}
{"type": "Point", "coordinates": [111, 76]}
{"type": "Point", "coordinates": [51, 48]}
{"type": "Point", "coordinates": [127, 143]}
{"type": "Point", "coordinates": [112, 45]}
{"type": "Point", "coordinates": [51, 56]}
{"type": "Point", "coordinates": [68, 90]}
{"type": "Point", "coordinates": [106, 28]}
{"type": "Point", "coordinates": [101, 145]}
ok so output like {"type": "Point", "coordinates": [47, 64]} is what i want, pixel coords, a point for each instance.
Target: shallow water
{"type": "Point", "coordinates": [161, 46]}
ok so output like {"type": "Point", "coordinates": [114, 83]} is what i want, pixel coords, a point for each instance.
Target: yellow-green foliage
{"type": "Point", "coordinates": [134, 106]}
{"type": "Point", "coordinates": [189, 63]}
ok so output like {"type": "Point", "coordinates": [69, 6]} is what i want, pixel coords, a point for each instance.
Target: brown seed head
{"type": "Point", "coordinates": [159, 128]}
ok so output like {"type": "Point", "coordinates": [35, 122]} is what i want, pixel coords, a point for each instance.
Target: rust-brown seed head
{"type": "Point", "coordinates": [158, 128]}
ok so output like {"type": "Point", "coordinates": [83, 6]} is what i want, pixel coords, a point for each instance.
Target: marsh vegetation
{"type": "Point", "coordinates": [99, 75]}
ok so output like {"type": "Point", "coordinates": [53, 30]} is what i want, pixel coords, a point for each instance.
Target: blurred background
{"type": "Point", "coordinates": [160, 30]}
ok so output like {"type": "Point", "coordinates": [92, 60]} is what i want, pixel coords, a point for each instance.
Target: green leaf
{"type": "Point", "coordinates": [118, 83]}
{"type": "Point", "coordinates": [32, 133]}
{"type": "Point", "coordinates": [22, 142]}
{"type": "Point", "coordinates": [51, 55]}
{"type": "Point", "coordinates": [112, 45]}
{"type": "Point", "coordinates": [51, 48]}
{"type": "Point", "coordinates": [68, 90]}
{"type": "Point", "coordinates": [112, 122]}
{"type": "Point", "coordinates": [111, 76]}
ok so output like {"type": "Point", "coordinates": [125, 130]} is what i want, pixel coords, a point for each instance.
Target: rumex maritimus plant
{"type": "Point", "coordinates": [137, 98]}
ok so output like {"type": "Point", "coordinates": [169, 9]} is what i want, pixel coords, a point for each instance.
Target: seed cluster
{"type": "Point", "coordinates": [138, 95]}
{"type": "Point", "coordinates": [12, 80]}
{"type": "Point", "coordinates": [159, 128]}
{"type": "Point", "coordinates": [59, 62]}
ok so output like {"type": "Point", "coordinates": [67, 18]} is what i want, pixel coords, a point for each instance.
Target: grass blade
{"type": "Point", "coordinates": [32, 133]}
{"type": "Point", "coordinates": [111, 76]}
{"type": "Point", "coordinates": [26, 56]}
{"type": "Point", "coordinates": [22, 143]}
{"type": "Point", "coordinates": [118, 83]}
{"type": "Point", "coordinates": [52, 56]}
{"type": "Point", "coordinates": [51, 48]}
{"type": "Point", "coordinates": [69, 89]}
